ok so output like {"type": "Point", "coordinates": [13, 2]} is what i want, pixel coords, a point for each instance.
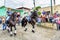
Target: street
{"type": "Point", "coordinates": [40, 34]}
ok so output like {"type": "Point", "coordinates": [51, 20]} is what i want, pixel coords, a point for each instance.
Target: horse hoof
{"type": "Point", "coordinates": [25, 30]}
{"type": "Point", "coordinates": [8, 31]}
{"type": "Point", "coordinates": [14, 34]}
{"type": "Point", "coordinates": [33, 31]}
{"type": "Point", "coordinates": [11, 35]}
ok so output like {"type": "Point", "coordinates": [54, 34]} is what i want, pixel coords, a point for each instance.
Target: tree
{"type": "Point", "coordinates": [38, 7]}
{"type": "Point", "coordinates": [2, 7]}
{"type": "Point", "coordinates": [39, 13]}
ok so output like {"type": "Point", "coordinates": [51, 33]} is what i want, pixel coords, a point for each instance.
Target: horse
{"type": "Point", "coordinates": [12, 23]}
{"type": "Point", "coordinates": [25, 21]}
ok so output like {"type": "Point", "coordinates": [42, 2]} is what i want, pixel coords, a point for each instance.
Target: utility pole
{"type": "Point", "coordinates": [54, 2]}
{"type": "Point", "coordinates": [5, 7]}
{"type": "Point", "coordinates": [22, 5]}
{"type": "Point", "coordinates": [51, 8]}
{"type": "Point", "coordinates": [34, 3]}
{"type": "Point", "coordinates": [4, 2]}
{"type": "Point", "coordinates": [54, 5]}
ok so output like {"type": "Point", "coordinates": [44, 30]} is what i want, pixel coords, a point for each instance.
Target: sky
{"type": "Point", "coordinates": [26, 3]}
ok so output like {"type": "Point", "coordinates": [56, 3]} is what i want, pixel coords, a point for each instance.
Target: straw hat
{"type": "Point", "coordinates": [9, 8]}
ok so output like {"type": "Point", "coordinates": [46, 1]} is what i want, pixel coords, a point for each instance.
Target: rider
{"type": "Point", "coordinates": [7, 18]}
{"type": "Point", "coordinates": [9, 13]}
{"type": "Point", "coordinates": [28, 17]}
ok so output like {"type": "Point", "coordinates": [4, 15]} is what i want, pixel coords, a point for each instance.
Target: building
{"type": "Point", "coordinates": [48, 9]}
{"type": "Point", "coordinates": [25, 9]}
{"type": "Point", "coordinates": [3, 11]}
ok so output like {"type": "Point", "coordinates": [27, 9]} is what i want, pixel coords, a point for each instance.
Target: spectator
{"type": "Point", "coordinates": [43, 12]}
{"type": "Point", "coordinates": [55, 14]}
{"type": "Point", "coordinates": [3, 22]}
{"type": "Point", "coordinates": [58, 23]}
{"type": "Point", "coordinates": [50, 18]}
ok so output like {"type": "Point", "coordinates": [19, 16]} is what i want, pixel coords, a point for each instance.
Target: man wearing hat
{"type": "Point", "coordinates": [9, 13]}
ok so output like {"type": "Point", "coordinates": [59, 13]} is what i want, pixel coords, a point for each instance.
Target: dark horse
{"type": "Point", "coordinates": [32, 21]}
{"type": "Point", "coordinates": [25, 21]}
{"type": "Point", "coordinates": [12, 23]}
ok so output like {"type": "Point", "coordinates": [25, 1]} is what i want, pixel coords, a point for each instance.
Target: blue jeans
{"type": "Point", "coordinates": [4, 26]}
{"type": "Point", "coordinates": [7, 18]}
{"type": "Point", "coordinates": [50, 19]}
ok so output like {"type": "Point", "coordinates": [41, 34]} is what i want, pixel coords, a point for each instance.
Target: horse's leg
{"type": "Point", "coordinates": [33, 29]}
{"type": "Point", "coordinates": [8, 28]}
{"type": "Point", "coordinates": [11, 31]}
{"type": "Point", "coordinates": [15, 30]}
{"type": "Point", "coordinates": [25, 27]}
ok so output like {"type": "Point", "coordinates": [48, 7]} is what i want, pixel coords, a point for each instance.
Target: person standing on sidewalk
{"type": "Point", "coordinates": [3, 23]}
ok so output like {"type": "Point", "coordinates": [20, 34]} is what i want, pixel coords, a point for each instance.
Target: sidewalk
{"type": "Point", "coordinates": [48, 25]}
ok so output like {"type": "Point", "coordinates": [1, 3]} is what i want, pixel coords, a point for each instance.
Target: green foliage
{"type": "Point", "coordinates": [36, 8]}
{"type": "Point", "coordinates": [39, 13]}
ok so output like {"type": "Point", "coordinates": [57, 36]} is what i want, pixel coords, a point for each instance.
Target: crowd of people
{"type": "Point", "coordinates": [52, 18]}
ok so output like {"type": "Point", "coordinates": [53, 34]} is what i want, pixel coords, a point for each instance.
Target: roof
{"type": "Point", "coordinates": [24, 8]}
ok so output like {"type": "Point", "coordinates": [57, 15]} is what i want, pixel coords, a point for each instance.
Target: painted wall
{"type": "Point", "coordinates": [55, 8]}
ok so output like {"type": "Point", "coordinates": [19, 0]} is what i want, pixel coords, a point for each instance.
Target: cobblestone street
{"type": "Point", "coordinates": [40, 34]}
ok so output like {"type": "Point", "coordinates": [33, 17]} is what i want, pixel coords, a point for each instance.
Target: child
{"type": "Point", "coordinates": [3, 23]}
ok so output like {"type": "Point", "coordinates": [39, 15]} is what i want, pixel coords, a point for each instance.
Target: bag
{"type": "Point", "coordinates": [58, 22]}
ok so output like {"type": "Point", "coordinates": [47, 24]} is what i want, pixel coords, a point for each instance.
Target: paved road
{"type": "Point", "coordinates": [40, 34]}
